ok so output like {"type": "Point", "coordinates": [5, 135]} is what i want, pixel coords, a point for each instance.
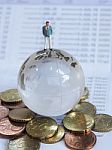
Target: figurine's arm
{"type": "Point", "coordinates": [50, 28]}
{"type": "Point", "coordinates": [51, 31]}
{"type": "Point", "coordinates": [43, 31]}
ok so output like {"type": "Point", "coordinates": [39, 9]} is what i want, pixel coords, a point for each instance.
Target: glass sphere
{"type": "Point", "coordinates": [51, 82]}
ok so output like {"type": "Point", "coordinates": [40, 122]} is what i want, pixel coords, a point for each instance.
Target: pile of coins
{"type": "Point", "coordinates": [27, 130]}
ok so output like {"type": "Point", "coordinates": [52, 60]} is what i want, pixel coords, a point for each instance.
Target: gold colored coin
{"type": "Point", "coordinates": [21, 115]}
{"type": "Point", "coordinates": [56, 138]}
{"type": "Point", "coordinates": [42, 127]}
{"type": "Point", "coordinates": [85, 107]}
{"type": "Point", "coordinates": [13, 105]}
{"type": "Point", "coordinates": [77, 121]}
{"type": "Point", "coordinates": [10, 96]}
{"type": "Point", "coordinates": [24, 143]}
{"type": "Point", "coordinates": [103, 123]}
{"type": "Point", "coordinates": [85, 94]}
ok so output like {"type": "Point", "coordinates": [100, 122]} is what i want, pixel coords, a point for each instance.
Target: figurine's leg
{"type": "Point", "coordinates": [50, 42]}
{"type": "Point", "coordinates": [45, 42]}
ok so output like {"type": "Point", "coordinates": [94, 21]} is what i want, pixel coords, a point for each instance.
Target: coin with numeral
{"type": "Point", "coordinates": [21, 115]}
{"type": "Point", "coordinates": [85, 94]}
{"type": "Point", "coordinates": [3, 112]}
{"type": "Point", "coordinates": [80, 142]}
{"type": "Point", "coordinates": [42, 127]}
{"type": "Point", "coordinates": [103, 123]}
{"type": "Point", "coordinates": [10, 96]}
{"type": "Point", "coordinates": [7, 128]}
{"type": "Point", "coordinates": [77, 121]}
{"type": "Point", "coordinates": [56, 138]}
{"type": "Point", "coordinates": [85, 107]}
{"type": "Point", "coordinates": [24, 143]}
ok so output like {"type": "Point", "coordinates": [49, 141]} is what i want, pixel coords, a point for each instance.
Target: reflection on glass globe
{"type": "Point", "coordinates": [51, 82]}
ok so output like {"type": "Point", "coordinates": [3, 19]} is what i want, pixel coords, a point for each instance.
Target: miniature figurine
{"type": "Point", "coordinates": [47, 32]}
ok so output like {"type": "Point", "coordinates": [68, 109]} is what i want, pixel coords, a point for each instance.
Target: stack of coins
{"type": "Point", "coordinates": [79, 135]}
{"type": "Point", "coordinates": [27, 130]}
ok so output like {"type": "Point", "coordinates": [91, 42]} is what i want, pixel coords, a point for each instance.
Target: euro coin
{"type": "Point", "coordinates": [9, 129]}
{"type": "Point", "coordinates": [3, 112]}
{"type": "Point", "coordinates": [85, 107]}
{"type": "Point", "coordinates": [56, 138]}
{"type": "Point", "coordinates": [80, 142]}
{"type": "Point", "coordinates": [77, 121]}
{"type": "Point", "coordinates": [10, 96]}
{"type": "Point", "coordinates": [85, 94]}
{"type": "Point", "coordinates": [41, 127]}
{"type": "Point", "coordinates": [103, 123]}
{"type": "Point", "coordinates": [21, 115]}
{"type": "Point", "coordinates": [24, 143]}
{"type": "Point", "coordinates": [14, 105]}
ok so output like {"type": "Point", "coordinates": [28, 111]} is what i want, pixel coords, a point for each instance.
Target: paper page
{"type": "Point", "coordinates": [82, 28]}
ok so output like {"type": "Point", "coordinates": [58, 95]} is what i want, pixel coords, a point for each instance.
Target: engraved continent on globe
{"type": "Point", "coordinates": [51, 82]}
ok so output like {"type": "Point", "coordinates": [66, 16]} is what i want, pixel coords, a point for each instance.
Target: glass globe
{"type": "Point", "coordinates": [51, 82]}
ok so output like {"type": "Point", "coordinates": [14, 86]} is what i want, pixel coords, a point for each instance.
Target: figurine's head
{"type": "Point", "coordinates": [47, 23]}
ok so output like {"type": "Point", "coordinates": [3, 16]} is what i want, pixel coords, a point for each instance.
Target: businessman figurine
{"type": "Point", "coordinates": [47, 32]}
